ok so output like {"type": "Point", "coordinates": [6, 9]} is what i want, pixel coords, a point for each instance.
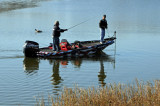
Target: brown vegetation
{"type": "Point", "coordinates": [138, 94]}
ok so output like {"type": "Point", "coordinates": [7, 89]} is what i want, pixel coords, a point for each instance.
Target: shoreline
{"type": "Point", "coordinates": [14, 5]}
{"type": "Point", "coordinates": [139, 93]}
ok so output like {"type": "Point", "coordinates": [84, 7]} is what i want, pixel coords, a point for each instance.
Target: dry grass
{"type": "Point", "coordinates": [17, 4]}
{"type": "Point", "coordinates": [138, 94]}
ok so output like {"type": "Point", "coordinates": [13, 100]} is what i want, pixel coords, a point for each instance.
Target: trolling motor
{"type": "Point", "coordinates": [30, 49]}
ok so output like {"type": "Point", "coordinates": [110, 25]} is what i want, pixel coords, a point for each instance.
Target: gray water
{"type": "Point", "coordinates": [135, 55]}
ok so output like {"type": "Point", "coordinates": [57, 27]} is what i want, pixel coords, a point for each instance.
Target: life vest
{"type": "Point", "coordinates": [65, 46]}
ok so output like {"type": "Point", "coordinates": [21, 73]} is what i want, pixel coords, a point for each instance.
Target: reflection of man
{"type": "Point", "coordinates": [56, 77]}
{"type": "Point", "coordinates": [77, 62]}
{"type": "Point", "coordinates": [102, 75]}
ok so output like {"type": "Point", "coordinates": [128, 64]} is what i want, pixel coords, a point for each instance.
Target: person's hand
{"type": "Point", "coordinates": [66, 29]}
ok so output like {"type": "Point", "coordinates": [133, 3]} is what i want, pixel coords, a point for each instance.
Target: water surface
{"type": "Point", "coordinates": [135, 55]}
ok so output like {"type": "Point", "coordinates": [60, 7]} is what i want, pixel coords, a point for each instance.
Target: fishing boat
{"type": "Point", "coordinates": [75, 49]}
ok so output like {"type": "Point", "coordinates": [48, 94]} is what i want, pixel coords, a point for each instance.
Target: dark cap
{"type": "Point", "coordinates": [56, 23]}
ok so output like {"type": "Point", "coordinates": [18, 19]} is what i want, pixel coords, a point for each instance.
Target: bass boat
{"type": "Point", "coordinates": [76, 49]}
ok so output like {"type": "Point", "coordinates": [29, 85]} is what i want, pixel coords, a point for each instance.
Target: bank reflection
{"type": "Point", "coordinates": [58, 65]}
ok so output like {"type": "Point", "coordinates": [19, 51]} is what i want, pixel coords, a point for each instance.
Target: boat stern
{"type": "Point", "coordinates": [30, 49]}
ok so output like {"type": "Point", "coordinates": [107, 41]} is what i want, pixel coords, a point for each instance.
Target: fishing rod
{"type": "Point", "coordinates": [79, 24]}
{"type": "Point", "coordinates": [108, 32]}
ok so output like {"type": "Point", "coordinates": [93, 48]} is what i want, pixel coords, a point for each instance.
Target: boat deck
{"type": "Point", "coordinates": [83, 43]}
{"type": "Point", "coordinates": [90, 44]}
{"type": "Point", "coordinates": [46, 49]}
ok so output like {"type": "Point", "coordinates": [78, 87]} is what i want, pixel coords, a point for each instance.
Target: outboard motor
{"type": "Point", "coordinates": [30, 49]}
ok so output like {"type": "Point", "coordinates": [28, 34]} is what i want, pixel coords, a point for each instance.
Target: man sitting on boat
{"type": "Point", "coordinates": [77, 44]}
{"type": "Point", "coordinates": [56, 34]}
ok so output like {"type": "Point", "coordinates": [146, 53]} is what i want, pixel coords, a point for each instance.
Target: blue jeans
{"type": "Point", "coordinates": [102, 34]}
{"type": "Point", "coordinates": [56, 44]}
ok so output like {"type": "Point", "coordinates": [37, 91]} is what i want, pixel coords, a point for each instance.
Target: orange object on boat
{"type": "Point", "coordinates": [65, 46]}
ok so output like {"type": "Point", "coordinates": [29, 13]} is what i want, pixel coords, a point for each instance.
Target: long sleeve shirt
{"type": "Point", "coordinates": [103, 24]}
{"type": "Point", "coordinates": [57, 31]}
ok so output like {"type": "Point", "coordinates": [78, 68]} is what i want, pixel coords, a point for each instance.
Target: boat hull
{"type": "Point", "coordinates": [90, 49]}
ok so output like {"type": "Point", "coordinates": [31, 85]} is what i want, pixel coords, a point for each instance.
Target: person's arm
{"type": "Point", "coordinates": [106, 25]}
{"type": "Point", "coordinates": [100, 24]}
{"type": "Point", "coordinates": [57, 29]}
{"type": "Point", "coordinates": [62, 30]}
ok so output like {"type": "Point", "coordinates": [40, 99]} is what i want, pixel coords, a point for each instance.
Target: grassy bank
{"type": "Point", "coordinates": [139, 94]}
{"type": "Point", "coordinates": [18, 4]}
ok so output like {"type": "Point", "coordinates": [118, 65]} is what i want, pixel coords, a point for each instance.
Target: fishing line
{"type": "Point", "coordinates": [42, 44]}
{"type": "Point", "coordinates": [83, 22]}
{"type": "Point", "coordinates": [108, 32]}
{"type": "Point", "coordinates": [79, 23]}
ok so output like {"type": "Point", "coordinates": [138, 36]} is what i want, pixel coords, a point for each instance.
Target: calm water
{"type": "Point", "coordinates": [135, 55]}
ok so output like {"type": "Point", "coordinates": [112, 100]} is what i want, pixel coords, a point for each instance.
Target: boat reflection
{"type": "Point", "coordinates": [32, 64]}
{"type": "Point", "coordinates": [76, 62]}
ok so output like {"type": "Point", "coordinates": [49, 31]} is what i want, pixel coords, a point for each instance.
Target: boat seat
{"type": "Point", "coordinates": [65, 46]}
{"type": "Point", "coordinates": [50, 46]}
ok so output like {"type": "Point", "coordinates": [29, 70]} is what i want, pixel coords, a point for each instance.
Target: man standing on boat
{"type": "Point", "coordinates": [103, 25]}
{"type": "Point", "coordinates": [56, 34]}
